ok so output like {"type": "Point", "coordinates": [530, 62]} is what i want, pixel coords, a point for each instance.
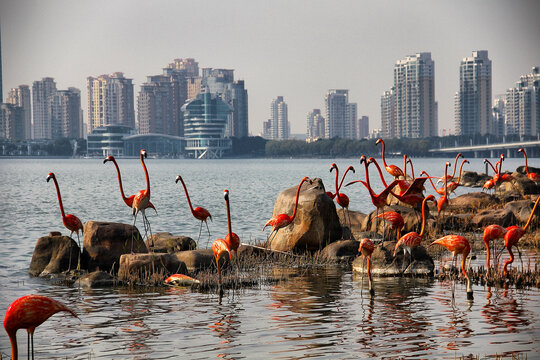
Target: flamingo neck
{"type": "Point", "coordinates": [120, 182]}
{"type": "Point", "coordinates": [463, 261]}
{"type": "Point", "coordinates": [492, 167]}
{"type": "Point", "coordinates": [383, 158]}
{"type": "Point", "coordinates": [460, 171]}
{"type": "Point", "coordinates": [59, 197]}
{"type": "Point", "coordinates": [526, 163]}
{"type": "Point", "coordinates": [343, 177]}
{"type": "Point", "coordinates": [336, 180]}
{"type": "Point", "coordinates": [229, 218]}
{"type": "Point", "coordinates": [431, 181]}
{"type": "Point", "coordinates": [369, 266]}
{"type": "Point", "coordinates": [380, 173]}
{"type": "Point", "coordinates": [423, 218]}
{"type": "Point", "coordinates": [530, 216]}
{"type": "Point", "coordinates": [405, 166]}
{"type": "Point", "coordinates": [187, 195]}
{"type": "Point", "coordinates": [455, 165]}
{"type": "Point", "coordinates": [509, 261]}
{"type": "Point", "coordinates": [446, 180]}
{"type": "Point", "coordinates": [14, 348]}
{"type": "Point", "coordinates": [296, 201]}
{"type": "Point", "coordinates": [412, 168]}
{"type": "Point", "coordinates": [147, 177]}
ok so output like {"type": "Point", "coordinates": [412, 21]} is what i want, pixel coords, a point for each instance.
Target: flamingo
{"type": "Point", "coordinates": [489, 184]}
{"type": "Point", "coordinates": [395, 219]}
{"type": "Point", "coordinates": [412, 239]}
{"type": "Point", "coordinates": [409, 160]}
{"type": "Point", "coordinates": [458, 245]}
{"type": "Point", "coordinates": [531, 175]}
{"type": "Point", "coordinates": [141, 201]}
{"type": "Point", "coordinates": [504, 177]}
{"type": "Point", "coordinates": [220, 248]}
{"type": "Point", "coordinates": [451, 177]}
{"type": "Point", "coordinates": [391, 169]}
{"type": "Point", "coordinates": [341, 198]}
{"type": "Point", "coordinates": [366, 248]}
{"type": "Point", "coordinates": [231, 238]}
{"type": "Point", "coordinates": [512, 236]}
{"type": "Point", "coordinates": [439, 191]}
{"type": "Point", "coordinates": [28, 312]}
{"type": "Point", "coordinates": [453, 185]}
{"type": "Point", "coordinates": [492, 232]}
{"type": "Point", "coordinates": [198, 213]}
{"type": "Point", "coordinates": [442, 203]}
{"type": "Point", "coordinates": [282, 220]}
{"type": "Point", "coordinates": [71, 222]}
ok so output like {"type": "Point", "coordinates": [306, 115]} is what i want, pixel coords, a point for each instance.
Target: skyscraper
{"type": "Point", "coordinates": [414, 91]}
{"type": "Point", "coordinates": [388, 114]}
{"type": "Point", "coordinates": [498, 115]}
{"type": "Point", "coordinates": [11, 122]}
{"type": "Point", "coordinates": [522, 105]}
{"type": "Point", "coordinates": [279, 118]}
{"type": "Point", "coordinates": [473, 100]}
{"type": "Point", "coordinates": [21, 97]}
{"type": "Point", "coordinates": [66, 114]}
{"type": "Point", "coordinates": [155, 107]}
{"type": "Point", "coordinates": [42, 94]}
{"type": "Point", "coordinates": [363, 127]}
{"type": "Point", "coordinates": [339, 114]}
{"type": "Point", "coordinates": [110, 101]}
{"type": "Point", "coordinates": [315, 125]}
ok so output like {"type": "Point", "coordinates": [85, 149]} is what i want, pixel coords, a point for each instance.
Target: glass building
{"type": "Point", "coordinates": [108, 140]}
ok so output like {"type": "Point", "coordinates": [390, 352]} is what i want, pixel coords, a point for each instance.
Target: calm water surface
{"type": "Point", "coordinates": [322, 313]}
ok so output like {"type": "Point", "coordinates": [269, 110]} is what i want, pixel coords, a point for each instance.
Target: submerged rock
{"type": "Point", "coordinates": [196, 260]}
{"type": "Point", "coordinates": [341, 250]}
{"type": "Point", "coordinates": [52, 255]}
{"type": "Point", "coordinates": [316, 223]}
{"type": "Point", "coordinates": [97, 279]}
{"type": "Point", "coordinates": [145, 266]}
{"type": "Point", "coordinates": [165, 242]}
{"type": "Point", "coordinates": [105, 242]}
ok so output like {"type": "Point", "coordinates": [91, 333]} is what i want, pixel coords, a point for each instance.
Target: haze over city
{"type": "Point", "coordinates": [298, 50]}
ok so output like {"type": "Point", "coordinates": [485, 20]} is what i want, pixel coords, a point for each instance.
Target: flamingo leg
{"type": "Point", "coordinates": [28, 345]}
{"type": "Point", "coordinates": [70, 246]}
{"type": "Point", "coordinates": [32, 341]}
{"type": "Point", "coordinates": [520, 258]}
{"type": "Point", "coordinates": [200, 230]}
{"type": "Point", "coordinates": [79, 260]}
{"type": "Point", "coordinates": [271, 237]}
{"type": "Point", "coordinates": [207, 228]}
{"type": "Point", "coordinates": [133, 235]}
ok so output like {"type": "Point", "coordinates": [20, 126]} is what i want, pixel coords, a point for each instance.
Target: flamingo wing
{"type": "Point", "coordinates": [201, 213]}
{"type": "Point", "coordinates": [72, 223]}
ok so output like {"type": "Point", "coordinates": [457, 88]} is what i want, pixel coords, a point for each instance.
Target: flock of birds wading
{"type": "Point", "coordinates": [30, 311]}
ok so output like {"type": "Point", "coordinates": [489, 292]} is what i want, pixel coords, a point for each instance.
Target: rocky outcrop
{"type": "Point", "coordinates": [522, 210]}
{"type": "Point", "coordinates": [196, 260]}
{"type": "Point", "coordinates": [384, 264]}
{"type": "Point", "coordinates": [147, 266]}
{"type": "Point", "coordinates": [341, 250]}
{"type": "Point", "coordinates": [105, 242]}
{"type": "Point", "coordinates": [54, 254]}
{"type": "Point", "coordinates": [165, 242]}
{"type": "Point", "coordinates": [521, 184]}
{"type": "Point", "coordinates": [97, 279]}
{"type": "Point", "coordinates": [316, 223]}
{"type": "Point", "coordinates": [503, 217]}
{"type": "Point", "coordinates": [412, 220]}
{"type": "Point", "coordinates": [473, 179]}
{"type": "Point", "coordinates": [357, 221]}
{"type": "Point", "coordinates": [472, 202]}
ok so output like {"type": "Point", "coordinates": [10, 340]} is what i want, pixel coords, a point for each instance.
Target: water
{"type": "Point", "coordinates": [321, 313]}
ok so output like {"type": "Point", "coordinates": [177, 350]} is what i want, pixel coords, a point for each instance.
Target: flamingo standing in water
{"type": "Point", "coordinates": [442, 203]}
{"type": "Point", "coordinates": [366, 248]}
{"type": "Point", "coordinates": [220, 249]}
{"type": "Point", "coordinates": [341, 198]}
{"type": "Point", "coordinates": [71, 222]}
{"type": "Point", "coordinates": [391, 169]}
{"type": "Point", "coordinates": [231, 238]}
{"type": "Point", "coordinates": [512, 236]}
{"type": "Point", "coordinates": [531, 175]}
{"type": "Point", "coordinates": [141, 201]}
{"type": "Point", "coordinates": [395, 219]}
{"type": "Point", "coordinates": [491, 233]}
{"type": "Point", "coordinates": [458, 245]}
{"type": "Point", "coordinates": [198, 213]}
{"type": "Point", "coordinates": [412, 239]}
{"type": "Point", "coordinates": [28, 312]}
{"type": "Point", "coordinates": [282, 220]}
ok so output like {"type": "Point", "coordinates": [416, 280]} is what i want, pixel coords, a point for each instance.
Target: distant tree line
{"type": "Point", "coordinates": [57, 147]}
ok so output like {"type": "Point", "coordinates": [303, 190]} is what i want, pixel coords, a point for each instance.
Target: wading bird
{"type": "Point", "coordinates": [341, 198]}
{"type": "Point", "coordinates": [282, 220]}
{"type": "Point", "coordinates": [449, 178]}
{"type": "Point", "coordinates": [28, 312]}
{"type": "Point", "coordinates": [439, 191]}
{"type": "Point", "coordinates": [220, 248]}
{"type": "Point", "coordinates": [512, 236]}
{"type": "Point", "coordinates": [391, 169]}
{"type": "Point", "coordinates": [453, 185]}
{"type": "Point", "coordinates": [366, 249]}
{"type": "Point", "coordinates": [458, 245]}
{"type": "Point", "coordinates": [198, 213]}
{"type": "Point", "coordinates": [531, 175]}
{"type": "Point", "coordinates": [71, 222]}
{"type": "Point", "coordinates": [491, 233]}
{"type": "Point", "coordinates": [395, 219]}
{"type": "Point", "coordinates": [141, 201]}
{"type": "Point", "coordinates": [442, 203]}
{"type": "Point", "coordinates": [231, 238]}
{"type": "Point", "coordinates": [412, 239]}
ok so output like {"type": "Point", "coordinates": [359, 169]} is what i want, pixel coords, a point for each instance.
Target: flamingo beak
{"type": "Point", "coordinates": [177, 178]}
{"type": "Point", "coordinates": [226, 194]}
{"type": "Point", "coordinates": [49, 177]}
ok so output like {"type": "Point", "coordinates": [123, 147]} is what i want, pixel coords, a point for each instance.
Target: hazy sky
{"type": "Point", "coordinates": [297, 49]}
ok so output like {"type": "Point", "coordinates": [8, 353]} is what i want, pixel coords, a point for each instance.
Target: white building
{"type": "Point", "coordinates": [340, 115]}
{"type": "Point", "coordinates": [279, 119]}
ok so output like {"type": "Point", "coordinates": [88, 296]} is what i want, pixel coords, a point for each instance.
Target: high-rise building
{"type": "Point", "coordinates": [498, 115]}
{"type": "Point", "coordinates": [155, 107]}
{"type": "Point", "coordinates": [20, 96]}
{"type": "Point", "coordinates": [363, 127]}
{"type": "Point", "coordinates": [66, 114]}
{"type": "Point", "coordinates": [351, 128]}
{"type": "Point", "coordinates": [267, 129]}
{"type": "Point", "coordinates": [315, 125]}
{"type": "Point", "coordinates": [522, 105]}
{"type": "Point", "coordinates": [473, 110]}
{"type": "Point", "coordinates": [42, 94]}
{"type": "Point", "coordinates": [110, 101]}
{"type": "Point", "coordinates": [11, 122]}
{"type": "Point", "coordinates": [238, 100]}
{"type": "Point", "coordinates": [279, 119]}
{"type": "Point", "coordinates": [388, 114]}
{"type": "Point", "coordinates": [336, 111]}
{"type": "Point", "coordinates": [414, 91]}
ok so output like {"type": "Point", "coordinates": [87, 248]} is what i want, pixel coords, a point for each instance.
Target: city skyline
{"type": "Point", "coordinates": [351, 46]}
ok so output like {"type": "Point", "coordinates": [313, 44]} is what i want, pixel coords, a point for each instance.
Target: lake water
{"type": "Point", "coordinates": [322, 313]}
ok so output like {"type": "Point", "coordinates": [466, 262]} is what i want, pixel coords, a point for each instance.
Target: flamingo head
{"type": "Point", "coordinates": [448, 164]}
{"type": "Point", "coordinates": [430, 197]}
{"type": "Point", "coordinates": [108, 158]}
{"type": "Point", "coordinates": [333, 166]}
{"type": "Point", "coordinates": [467, 162]}
{"type": "Point", "coordinates": [485, 160]}
{"type": "Point", "coordinates": [370, 160]}
{"type": "Point", "coordinates": [306, 178]}
{"type": "Point", "coordinates": [521, 150]}
{"type": "Point", "coordinates": [178, 178]}
{"type": "Point", "coordinates": [143, 153]}
{"type": "Point", "coordinates": [351, 168]}
{"type": "Point", "coordinates": [459, 155]}
{"type": "Point", "coordinates": [379, 141]}
{"type": "Point", "coordinates": [362, 159]}
{"type": "Point", "coordinates": [225, 194]}
{"type": "Point", "coordinates": [502, 157]}
{"type": "Point", "coordinates": [50, 176]}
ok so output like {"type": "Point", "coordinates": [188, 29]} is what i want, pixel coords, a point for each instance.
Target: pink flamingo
{"type": "Point", "coordinates": [141, 201]}
{"type": "Point", "coordinates": [198, 213]}
{"type": "Point", "coordinates": [442, 203]}
{"type": "Point", "coordinates": [71, 222]}
{"type": "Point", "coordinates": [366, 248]}
{"type": "Point", "coordinates": [341, 198]}
{"type": "Point", "coordinates": [231, 238]}
{"type": "Point", "coordinates": [28, 312]}
{"type": "Point", "coordinates": [453, 185]}
{"type": "Point", "coordinates": [391, 169]}
{"type": "Point", "coordinates": [491, 233]}
{"type": "Point", "coordinates": [395, 219]}
{"type": "Point", "coordinates": [282, 220]}
{"type": "Point", "coordinates": [220, 249]}
{"type": "Point", "coordinates": [531, 175]}
{"type": "Point", "coordinates": [451, 177]}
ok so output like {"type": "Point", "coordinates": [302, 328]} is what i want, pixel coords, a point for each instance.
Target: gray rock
{"type": "Point", "coordinates": [97, 279]}
{"type": "Point", "coordinates": [52, 255]}
{"type": "Point", "coordinates": [146, 266]}
{"type": "Point", "coordinates": [503, 217]}
{"type": "Point", "coordinates": [341, 250]}
{"type": "Point", "coordinates": [196, 260]}
{"type": "Point", "coordinates": [165, 242]}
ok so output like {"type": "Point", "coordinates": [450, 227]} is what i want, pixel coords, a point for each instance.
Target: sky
{"type": "Point", "coordinates": [298, 49]}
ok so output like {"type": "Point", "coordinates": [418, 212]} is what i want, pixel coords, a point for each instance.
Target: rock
{"type": "Point", "coordinates": [412, 220]}
{"type": "Point", "coordinates": [472, 202]}
{"type": "Point", "coordinates": [522, 210]}
{"type": "Point", "coordinates": [316, 223]}
{"type": "Point", "coordinates": [52, 255]}
{"type": "Point", "coordinates": [522, 184]}
{"type": "Point", "coordinates": [165, 242]}
{"type": "Point", "coordinates": [455, 222]}
{"type": "Point", "coordinates": [97, 279]}
{"type": "Point", "coordinates": [341, 250]}
{"type": "Point", "coordinates": [521, 170]}
{"type": "Point", "coordinates": [196, 260]}
{"type": "Point", "coordinates": [384, 264]}
{"type": "Point", "coordinates": [473, 179]}
{"type": "Point", "coordinates": [357, 220]}
{"type": "Point", "coordinates": [503, 217]}
{"type": "Point", "coordinates": [143, 267]}
{"type": "Point", "coordinates": [105, 242]}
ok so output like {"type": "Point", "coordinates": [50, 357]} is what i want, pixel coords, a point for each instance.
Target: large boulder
{"type": "Point", "coordinates": [411, 218]}
{"type": "Point", "coordinates": [522, 184]}
{"type": "Point", "coordinates": [54, 254]}
{"type": "Point", "coordinates": [522, 210]}
{"type": "Point", "coordinates": [141, 267]}
{"type": "Point", "coordinates": [105, 242]}
{"type": "Point", "coordinates": [341, 250]}
{"type": "Point", "coordinates": [316, 223]}
{"type": "Point", "coordinates": [196, 260]}
{"type": "Point", "coordinates": [357, 220]}
{"type": "Point", "coordinates": [472, 202]}
{"type": "Point", "coordinates": [165, 242]}
{"type": "Point", "coordinates": [503, 217]}
{"type": "Point", "coordinates": [473, 179]}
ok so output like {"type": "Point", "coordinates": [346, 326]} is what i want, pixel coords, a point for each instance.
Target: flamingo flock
{"type": "Point", "coordinates": [30, 311]}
